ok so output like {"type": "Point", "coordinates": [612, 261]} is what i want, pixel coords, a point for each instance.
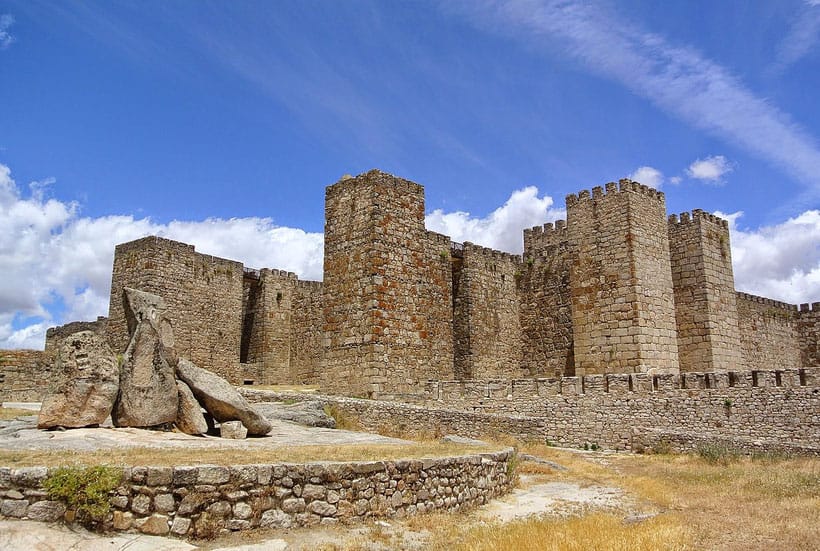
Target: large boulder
{"type": "Point", "coordinates": [190, 419]}
{"type": "Point", "coordinates": [90, 386]}
{"type": "Point", "coordinates": [221, 399]}
{"type": "Point", "coordinates": [309, 414]}
{"type": "Point", "coordinates": [143, 307]}
{"type": "Point", "coordinates": [148, 392]}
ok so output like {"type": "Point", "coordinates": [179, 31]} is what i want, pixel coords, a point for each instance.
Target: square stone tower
{"type": "Point", "coordinates": [705, 298]}
{"type": "Point", "coordinates": [387, 292]}
{"type": "Point", "coordinates": [623, 307]}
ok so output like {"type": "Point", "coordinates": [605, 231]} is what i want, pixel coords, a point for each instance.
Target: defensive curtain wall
{"type": "Point", "coordinates": [617, 288]}
{"type": "Point", "coordinates": [620, 288]}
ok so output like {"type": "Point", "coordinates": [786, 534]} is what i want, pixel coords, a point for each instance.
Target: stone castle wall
{"type": "Point", "coordinates": [705, 304]}
{"type": "Point", "coordinates": [488, 328]}
{"type": "Point", "coordinates": [808, 325]}
{"type": "Point", "coordinates": [27, 375]}
{"type": "Point", "coordinates": [618, 288]}
{"type": "Point", "coordinates": [761, 411]}
{"type": "Point", "coordinates": [56, 335]}
{"type": "Point", "coordinates": [204, 295]}
{"type": "Point", "coordinates": [769, 334]}
{"type": "Point", "coordinates": [387, 295]}
{"type": "Point", "coordinates": [546, 305]}
{"type": "Point", "coordinates": [623, 311]}
{"type": "Point", "coordinates": [306, 333]}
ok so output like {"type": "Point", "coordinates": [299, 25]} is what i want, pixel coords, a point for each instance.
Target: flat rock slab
{"type": "Point", "coordinates": [552, 498]}
{"type": "Point", "coordinates": [21, 434]}
{"type": "Point", "coordinates": [36, 536]}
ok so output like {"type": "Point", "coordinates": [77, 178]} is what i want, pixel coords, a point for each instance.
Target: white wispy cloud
{"type": "Point", "coordinates": [503, 228]}
{"type": "Point", "coordinates": [780, 261]}
{"type": "Point", "coordinates": [710, 169]}
{"type": "Point", "coordinates": [649, 176]}
{"type": "Point", "coordinates": [678, 79]}
{"type": "Point", "coordinates": [802, 37]}
{"type": "Point", "coordinates": [6, 21]}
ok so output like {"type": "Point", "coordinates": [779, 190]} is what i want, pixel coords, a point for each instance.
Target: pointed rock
{"type": "Point", "coordinates": [190, 419]}
{"type": "Point", "coordinates": [148, 390]}
{"type": "Point", "coordinates": [221, 399]}
{"type": "Point", "coordinates": [90, 387]}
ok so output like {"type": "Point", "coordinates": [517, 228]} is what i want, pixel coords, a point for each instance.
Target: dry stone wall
{"type": "Point", "coordinates": [761, 410]}
{"type": "Point", "coordinates": [204, 500]}
{"type": "Point", "coordinates": [705, 304]}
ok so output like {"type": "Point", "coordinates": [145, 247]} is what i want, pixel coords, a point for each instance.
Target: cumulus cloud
{"type": "Point", "coordinates": [6, 21]}
{"type": "Point", "coordinates": [780, 261]}
{"type": "Point", "coordinates": [648, 175]}
{"type": "Point", "coordinates": [56, 264]}
{"type": "Point", "coordinates": [710, 169]}
{"type": "Point", "coordinates": [501, 229]}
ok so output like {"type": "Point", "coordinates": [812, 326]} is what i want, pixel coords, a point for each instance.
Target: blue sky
{"type": "Point", "coordinates": [221, 123]}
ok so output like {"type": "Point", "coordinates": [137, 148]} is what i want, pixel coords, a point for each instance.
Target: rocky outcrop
{"type": "Point", "coordinates": [190, 419]}
{"type": "Point", "coordinates": [309, 414]}
{"type": "Point", "coordinates": [90, 387]}
{"type": "Point", "coordinates": [140, 388]}
{"type": "Point", "coordinates": [148, 391]}
{"type": "Point", "coordinates": [221, 399]}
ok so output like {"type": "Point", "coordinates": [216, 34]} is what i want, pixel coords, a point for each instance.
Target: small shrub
{"type": "Point", "coordinates": [727, 403]}
{"type": "Point", "coordinates": [594, 446]}
{"type": "Point", "coordinates": [662, 447]}
{"type": "Point", "coordinates": [717, 454]}
{"type": "Point", "coordinates": [344, 420]}
{"type": "Point", "coordinates": [513, 465]}
{"type": "Point", "coordinates": [86, 490]}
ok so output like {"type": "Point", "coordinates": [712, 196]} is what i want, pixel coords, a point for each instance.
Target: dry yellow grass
{"type": "Point", "coordinates": [599, 531]}
{"type": "Point", "coordinates": [285, 388]}
{"type": "Point", "coordinates": [228, 456]}
{"type": "Point", "coordinates": [11, 413]}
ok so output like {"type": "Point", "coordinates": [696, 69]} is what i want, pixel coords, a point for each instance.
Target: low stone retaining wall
{"type": "Point", "coordinates": [203, 500]}
{"type": "Point", "coordinates": [756, 418]}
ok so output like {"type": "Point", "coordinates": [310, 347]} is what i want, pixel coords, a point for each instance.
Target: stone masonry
{"type": "Point", "coordinates": [617, 288]}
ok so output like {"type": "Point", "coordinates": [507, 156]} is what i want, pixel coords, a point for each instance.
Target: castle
{"type": "Point", "coordinates": [617, 288]}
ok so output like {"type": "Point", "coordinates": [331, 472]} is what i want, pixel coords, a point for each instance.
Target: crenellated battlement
{"type": "Point", "coordinates": [624, 185]}
{"type": "Point", "coordinates": [791, 308]}
{"type": "Point", "coordinates": [281, 274]}
{"type": "Point", "coordinates": [697, 215]}
{"type": "Point", "coordinates": [309, 285]}
{"type": "Point", "coordinates": [810, 307]}
{"type": "Point", "coordinates": [491, 254]}
{"type": "Point", "coordinates": [621, 384]}
{"type": "Point", "coordinates": [539, 238]}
